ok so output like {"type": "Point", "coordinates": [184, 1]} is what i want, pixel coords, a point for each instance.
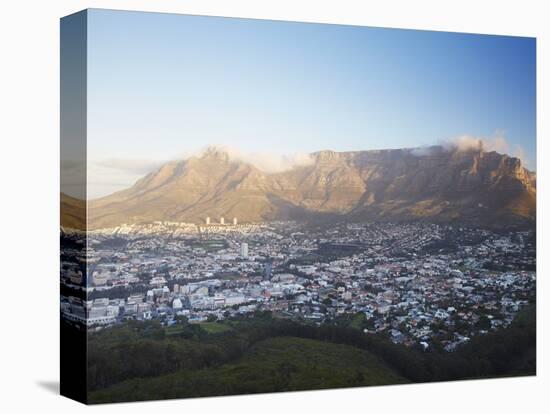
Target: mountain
{"type": "Point", "coordinates": [72, 212]}
{"type": "Point", "coordinates": [433, 184]}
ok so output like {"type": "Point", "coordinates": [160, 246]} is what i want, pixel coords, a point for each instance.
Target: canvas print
{"type": "Point", "coordinates": [253, 206]}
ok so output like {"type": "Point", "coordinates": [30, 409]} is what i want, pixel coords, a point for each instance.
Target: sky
{"type": "Point", "coordinates": [163, 86]}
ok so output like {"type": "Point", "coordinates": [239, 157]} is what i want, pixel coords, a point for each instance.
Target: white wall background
{"type": "Point", "coordinates": [29, 155]}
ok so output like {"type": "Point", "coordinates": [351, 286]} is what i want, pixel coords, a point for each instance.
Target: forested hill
{"type": "Point", "coordinates": [143, 360]}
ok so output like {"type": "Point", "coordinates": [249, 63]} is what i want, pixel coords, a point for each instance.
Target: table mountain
{"type": "Point", "coordinates": [433, 184]}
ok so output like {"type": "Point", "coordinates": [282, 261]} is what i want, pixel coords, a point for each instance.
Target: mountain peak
{"type": "Point", "coordinates": [215, 153]}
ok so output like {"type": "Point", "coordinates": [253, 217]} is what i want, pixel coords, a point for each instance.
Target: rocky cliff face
{"type": "Point", "coordinates": [405, 184]}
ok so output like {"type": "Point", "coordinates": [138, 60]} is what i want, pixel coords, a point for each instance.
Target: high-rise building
{"type": "Point", "coordinates": [207, 220]}
{"type": "Point", "coordinates": [244, 250]}
{"type": "Point", "coordinates": [267, 270]}
{"type": "Point", "coordinates": [222, 220]}
{"type": "Point", "coordinates": [234, 221]}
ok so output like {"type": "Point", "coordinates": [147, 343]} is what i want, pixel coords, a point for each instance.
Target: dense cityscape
{"type": "Point", "coordinates": [420, 284]}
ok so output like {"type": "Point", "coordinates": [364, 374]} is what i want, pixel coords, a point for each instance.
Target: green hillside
{"type": "Point", "coordinates": [275, 364]}
{"type": "Point", "coordinates": [144, 360]}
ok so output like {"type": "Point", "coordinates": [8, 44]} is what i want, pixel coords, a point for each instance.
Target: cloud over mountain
{"type": "Point", "coordinates": [498, 143]}
{"type": "Point", "coordinates": [265, 161]}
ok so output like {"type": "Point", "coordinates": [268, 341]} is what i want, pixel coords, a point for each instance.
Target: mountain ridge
{"type": "Point", "coordinates": [435, 184]}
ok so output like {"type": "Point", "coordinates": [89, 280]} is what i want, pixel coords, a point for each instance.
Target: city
{"type": "Point", "coordinates": [424, 285]}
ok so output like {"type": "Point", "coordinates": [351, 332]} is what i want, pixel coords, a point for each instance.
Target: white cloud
{"type": "Point", "coordinates": [266, 162]}
{"type": "Point", "coordinates": [498, 143]}
{"type": "Point", "coordinates": [468, 142]}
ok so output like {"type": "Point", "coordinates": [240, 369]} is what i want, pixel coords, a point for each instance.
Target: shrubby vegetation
{"type": "Point", "coordinates": [144, 360]}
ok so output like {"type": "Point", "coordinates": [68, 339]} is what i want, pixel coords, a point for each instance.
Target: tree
{"type": "Point", "coordinates": [484, 323]}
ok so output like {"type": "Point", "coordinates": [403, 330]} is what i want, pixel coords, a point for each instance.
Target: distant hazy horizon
{"type": "Point", "coordinates": [163, 86]}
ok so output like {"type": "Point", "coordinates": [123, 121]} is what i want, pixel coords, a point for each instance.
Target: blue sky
{"type": "Point", "coordinates": [164, 85]}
